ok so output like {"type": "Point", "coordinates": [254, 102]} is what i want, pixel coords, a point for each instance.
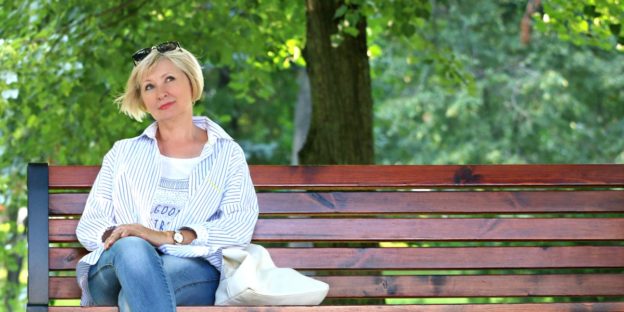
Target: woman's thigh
{"type": "Point", "coordinates": [135, 265]}
{"type": "Point", "coordinates": [194, 280]}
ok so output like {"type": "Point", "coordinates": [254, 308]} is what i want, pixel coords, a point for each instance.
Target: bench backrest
{"type": "Point", "coordinates": [392, 232]}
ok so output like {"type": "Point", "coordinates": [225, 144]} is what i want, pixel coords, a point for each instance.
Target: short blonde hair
{"type": "Point", "coordinates": [130, 102]}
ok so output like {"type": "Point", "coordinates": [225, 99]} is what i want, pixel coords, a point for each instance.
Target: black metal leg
{"type": "Point", "coordinates": [38, 270]}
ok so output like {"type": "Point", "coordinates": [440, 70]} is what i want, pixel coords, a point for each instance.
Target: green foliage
{"type": "Point", "coordinates": [12, 255]}
{"type": "Point", "coordinates": [398, 18]}
{"type": "Point", "coordinates": [550, 102]}
{"type": "Point", "coordinates": [69, 52]}
{"type": "Point", "coordinates": [594, 22]}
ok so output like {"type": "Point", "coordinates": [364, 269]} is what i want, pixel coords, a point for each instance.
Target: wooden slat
{"type": "Point", "coordinates": [440, 229]}
{"type": "Point", "coordinates": [65, 258]}
{"type": "Point", "coordinates": [527, 307]}
{"type": "Point", "coordinates": [522, 229]}
{"type": "Point", "coordinates": [439, 286]}
{"type": "Point", "coordinates": [67, 203]}
{"type": "Point", "coordinates": [476, 286]}
{"type": "Point", "coordinates": [72, 176]}
{"type": "Point", "coordinates": [418, 258]}
{"type": "Point", "coordinates": [439, 176]}
{"type": "Point", "coordinates": [408, 202]}
{"type": "Point", "coordinates": [374, 176]}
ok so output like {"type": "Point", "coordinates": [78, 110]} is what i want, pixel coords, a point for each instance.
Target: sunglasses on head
{"type": "Point", "coordinates": [168, 46]}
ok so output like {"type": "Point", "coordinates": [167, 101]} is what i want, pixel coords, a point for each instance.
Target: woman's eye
{"type": "Point", "coordinates": [170, 78]}
{"type": "Point", "coordinates": [148, 87]}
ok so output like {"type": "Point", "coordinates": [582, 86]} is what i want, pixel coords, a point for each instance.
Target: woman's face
{"type": "Point", "coordinates": [166, 92]}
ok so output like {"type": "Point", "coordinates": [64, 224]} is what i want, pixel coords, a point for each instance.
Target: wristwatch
{"type": "Point", "coordinates": [178, 238]}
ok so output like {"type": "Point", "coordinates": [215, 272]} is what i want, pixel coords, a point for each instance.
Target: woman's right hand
{"type": "Point", "coordinates": [156, 238]}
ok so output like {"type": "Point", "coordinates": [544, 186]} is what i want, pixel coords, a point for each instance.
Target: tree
{"type": "Point", "coordinates": [341, 131]}
{"type": "Point", "coordinates": [337, 56]}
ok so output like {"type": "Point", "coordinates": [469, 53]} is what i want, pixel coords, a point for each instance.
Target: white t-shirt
{"type": "Point", "coordinates": [172, 193]}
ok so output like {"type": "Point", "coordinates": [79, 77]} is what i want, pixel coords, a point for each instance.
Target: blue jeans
{"type": "Point", "coordinates": [135, 276]}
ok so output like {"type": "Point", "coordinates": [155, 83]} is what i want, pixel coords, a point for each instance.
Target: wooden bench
{"type": "Point", "coordinates": [506, 237]}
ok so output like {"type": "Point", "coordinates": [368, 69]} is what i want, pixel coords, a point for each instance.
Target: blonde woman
{"type": "Point", "coordinates": [164, 203]}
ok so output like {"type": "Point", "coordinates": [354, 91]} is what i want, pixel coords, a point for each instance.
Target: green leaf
{"type": "Point", "coordinates": [590, 11]}
{"type": "Point", "coordinates": [408, 30]}
{"type": "Point", "coordinates": [615, 29]}
{"type": "Point", "coordinates": [351, 31]}
{"type": "Point", "coordinates": [340, 11]}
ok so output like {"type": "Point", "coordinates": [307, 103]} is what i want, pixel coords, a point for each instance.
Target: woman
{"type": "Point", "coordinates": [165, 203]}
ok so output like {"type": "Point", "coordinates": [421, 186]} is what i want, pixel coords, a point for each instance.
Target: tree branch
{"type": "Point", "coordinates": [526, 22]}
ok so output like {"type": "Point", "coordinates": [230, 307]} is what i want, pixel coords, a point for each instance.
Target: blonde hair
{"type": "Point", "coordinates": [130, 102]}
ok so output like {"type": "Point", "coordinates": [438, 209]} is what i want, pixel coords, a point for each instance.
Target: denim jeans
{"type": "Point", "coordinates": [135, 276]}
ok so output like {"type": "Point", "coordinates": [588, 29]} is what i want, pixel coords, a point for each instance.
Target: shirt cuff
{"type": "Point", "coordinates": [100, 234]}
{"type": "Point", "coordinates": [201, 232]}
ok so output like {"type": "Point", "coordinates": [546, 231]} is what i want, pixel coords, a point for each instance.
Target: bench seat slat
{"type": "Point", "coordinates": [452, 229]}
{"type": "Point", "coordinates": [408, 202]}
{"type": "Point", "coordinates": [371, 176]}
{"type": "Point", "coordinates": [418, 258]}
{"type": "Point", "coordinates": [538, 307]}
{"type": "Point", "coordinates": [446, 286]}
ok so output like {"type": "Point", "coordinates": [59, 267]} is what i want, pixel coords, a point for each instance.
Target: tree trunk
{"type": "Point", "coordinates": [303, 110]}
{"type": "Point", "coordinates": [341, 129]}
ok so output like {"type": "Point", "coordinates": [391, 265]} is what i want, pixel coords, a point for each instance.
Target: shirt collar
{"type": "Point", "coordinates": [215, 131]}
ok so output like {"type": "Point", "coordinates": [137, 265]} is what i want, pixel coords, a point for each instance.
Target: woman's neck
{"type": "Point", "coordinates": [180, 140]}
{"type": "Point", "coordinates": [180, 133]}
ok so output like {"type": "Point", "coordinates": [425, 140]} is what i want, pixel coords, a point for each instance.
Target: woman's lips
{"type": "Point", "coordinates": [165, 106]}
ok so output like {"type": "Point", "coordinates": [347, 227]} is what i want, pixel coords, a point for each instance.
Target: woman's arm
{"type": "Point", "coordinates": [237, 219]}
{"type": "Point", "coordinates": [97, 216]}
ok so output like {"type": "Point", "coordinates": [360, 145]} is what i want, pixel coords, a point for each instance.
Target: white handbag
{"type": "Point", "coordinates": [249, 277]}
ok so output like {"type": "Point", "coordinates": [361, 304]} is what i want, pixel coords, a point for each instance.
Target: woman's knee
{"type": "Point", "coordinates": [194, 280]}
{"type": "Point", "coordinates": [133, 250]}
{"type": "Point", "coordinates": [131, 243]}
{"type": "Point", "coordinates": [189, 270]}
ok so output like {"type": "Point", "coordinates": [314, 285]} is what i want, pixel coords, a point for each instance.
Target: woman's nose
{"type": "Point", "coordinates": [162, 92]}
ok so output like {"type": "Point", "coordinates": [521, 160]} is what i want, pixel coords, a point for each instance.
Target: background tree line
{"type": "Point", "coordinates": [390, 82]}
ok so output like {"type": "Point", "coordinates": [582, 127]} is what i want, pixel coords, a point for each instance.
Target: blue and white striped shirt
{"type": "Point", "coordinates": [222, 206]}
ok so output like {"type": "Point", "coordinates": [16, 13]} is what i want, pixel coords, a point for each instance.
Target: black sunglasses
{"type": "Point", "coordinates": [168, 46]}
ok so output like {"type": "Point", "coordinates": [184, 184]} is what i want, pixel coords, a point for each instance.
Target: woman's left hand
{"type": "Point", "coordinates": [156, 238]}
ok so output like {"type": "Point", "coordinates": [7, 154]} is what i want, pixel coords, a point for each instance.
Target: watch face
{"type": "Point", "coordinates": [178, 238]}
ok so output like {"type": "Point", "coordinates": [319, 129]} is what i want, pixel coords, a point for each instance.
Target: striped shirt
{"type": "Point", "coordinates": [222, 207]}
